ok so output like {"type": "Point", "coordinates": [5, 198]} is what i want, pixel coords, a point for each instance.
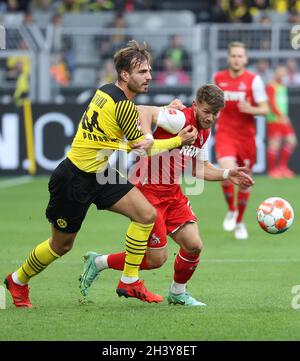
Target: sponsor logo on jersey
{"type": "Point", "coordinates": [238, 96]}
{"type": "Point", "coordinates": [190, 150]}
{"type": "Point", "coordinates": [223, 84]}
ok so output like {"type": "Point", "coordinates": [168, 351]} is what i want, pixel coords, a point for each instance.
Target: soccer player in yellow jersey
{"type": "Point", "coordinates": [77, 182]}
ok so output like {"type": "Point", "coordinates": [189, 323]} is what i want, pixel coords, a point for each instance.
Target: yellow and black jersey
{"type": "Point", "coordinates": [108, 118]}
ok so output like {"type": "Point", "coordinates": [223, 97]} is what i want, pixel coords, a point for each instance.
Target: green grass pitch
{"type": "Point", "coordinates": [246, 284]}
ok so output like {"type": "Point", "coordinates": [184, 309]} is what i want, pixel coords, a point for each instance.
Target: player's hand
{"type": "Point", "coordinates": [239, 177]}
{"type": "Point", "coordinates": [245, 107]}
{"type": "Point", "coordinates": [176, 104]}
{"type": "Point", "coordinates": [284, 119]}
{"type": "Point", "coordinates": [142, 146]}
{"type": "Point", "coordinates": [188, 135]}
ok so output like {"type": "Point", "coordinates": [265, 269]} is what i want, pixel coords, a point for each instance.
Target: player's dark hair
{"type": "Point", "coordinates": [212, 95]}
{"type": "Point", "coordinates": [130, 56]}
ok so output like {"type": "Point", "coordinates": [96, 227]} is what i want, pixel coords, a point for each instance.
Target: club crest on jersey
{"type": "Point", "coordinates": [62, 223]}
{"type": "Point", "coordinates": [242, 86]}
{"type": "Point", "coordinates": [190, 150]}
{"type": "Point", "coordinates": [154, 239]}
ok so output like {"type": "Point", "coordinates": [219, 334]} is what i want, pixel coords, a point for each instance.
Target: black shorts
{"type": "Point", "coordinates": [72, 191]}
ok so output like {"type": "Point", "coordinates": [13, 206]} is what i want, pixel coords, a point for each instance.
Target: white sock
{"type": "Point", "coordinates": [101, 262]}
{"type": "Point", "coordinates": [126, 279]}
{"type": "Point", "coordinates": [14, 277]}
{"type": "Point", "coordinates": [177, 288]}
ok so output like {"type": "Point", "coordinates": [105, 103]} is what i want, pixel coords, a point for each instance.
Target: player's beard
{"type": "Point", "coordinates": [136, 88]}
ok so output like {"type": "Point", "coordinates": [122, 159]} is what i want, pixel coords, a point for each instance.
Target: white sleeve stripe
{"type": "Point", "coordinates": [171, 120]}
{"type": "Point", "coordinates": [258, 90]}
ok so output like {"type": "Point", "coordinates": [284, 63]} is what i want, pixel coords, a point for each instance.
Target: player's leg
{"type": "Point", "coordinates": [186, 261]}
{"type": "Point", "coordinates": [273, 148]}
{"type": "Point", "coordinates": [246, 158]}
{"type": "Point", "coordinates": [66, 218]}
{"type": "Point", "coordinates": [155, 256]}
{"type": "Point", "coordinates": [135, 206]}
{"type": "Point", "coordinates": [288, 146]}
{"type": "Point", "coordinates": [228, 188]}
{"type": "Point", "coordinates": [37, 261]}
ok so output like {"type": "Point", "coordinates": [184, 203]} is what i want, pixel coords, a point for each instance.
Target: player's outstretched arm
{"type": "Point", "coordinates": [207, 171]}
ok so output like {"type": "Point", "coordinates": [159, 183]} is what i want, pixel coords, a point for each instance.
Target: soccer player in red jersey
{"type": "Point", "coordinates": [159, 182]}
{"type": "Point", "coordinates": [245, 97]}
{"type": "Point", "coordinates": [282, 139]}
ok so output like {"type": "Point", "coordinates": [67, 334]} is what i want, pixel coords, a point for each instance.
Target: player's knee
{"type": "Point", "coordinates": [157, 261]}
{"type": "Point", "coordinates": [148, 216]}
{"type": "Point", "coordinates": [62, 247]}
{"type": "Point", "coordinates": [194, 248]}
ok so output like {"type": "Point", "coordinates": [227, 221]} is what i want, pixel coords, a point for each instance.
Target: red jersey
{"type": "Point", "coordinates": [164, 169]}
{"type": "Point", "coordinates": [246, 87]}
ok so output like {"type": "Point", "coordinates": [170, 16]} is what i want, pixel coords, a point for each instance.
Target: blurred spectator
{"type": "Point", "coordinates": [283, 6]}
{"type": "Point", "coordinates": [237, 11]}
{"type": "Point", "coordinates": [292, 77]}
{"type": "Point", "coordinates": [264, 19]}
{"type": "Point", "coordinates": [107, 73]}
{"type": "Point", "coordinates": [15, 5]}
{"type": "Point", "coordinates": [100, 5]}
{"type": "Point", "coordinates": [55, 32]}
{"type": "Point", "coordinates": [171, 75]}
{"type": "Point", "coordinates": [110, 44]}
{"type": "Point", "coordinates": [128, 6]}
{"type": "Point", "coordinates": [65, 6]}
{"type": "Point", "coordinates": [265, 44]}
{"type": "Point", "coordinates": [177, 53]}
{"type": "Point", "coordinates": [44, 5]}
{"type": "Point", "coordinates": [217, 13]}
{"type": "Point", "coordinates": [258, 6]}
{"type": "Point", "coordinates": [59, 70]}
{"type": "Point", "coordinates": [294, 17]}
{"type": "Point", "coordinates": [18, 70]}
{"type": "Point", "coordinates": [262, 68]}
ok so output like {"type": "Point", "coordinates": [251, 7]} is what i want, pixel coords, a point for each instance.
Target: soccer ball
{"type": "Point", "coordinates": [275, 215]}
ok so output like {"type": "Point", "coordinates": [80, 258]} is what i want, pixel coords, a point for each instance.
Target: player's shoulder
{"type": "Point", "coordinates": [114, 92]}
{"type": "Point", "coordinates": [250, 74]}
{"type": "Point", "coordinates": [221, 74]}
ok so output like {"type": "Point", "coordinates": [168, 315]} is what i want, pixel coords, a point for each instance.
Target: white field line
{"type": "Point", "coordinates": [15, 181]}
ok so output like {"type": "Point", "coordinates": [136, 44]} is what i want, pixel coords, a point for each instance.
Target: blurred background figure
{"type": "Point", "coordinates": [175, 51]}
{"type": "Point", "coordinates": [281, 135]}
{"type": "Point", "coordinates": [59, 70]}
{"type": "Point", "coordinates": [171, 75]}
{"type": "Point", "coordinates": [107, 73]}
{"type": "Point", "coordinates": [262, 68]}
{"type": "Point", "coordinates": [18, 71]}
{"type": "Point", "coordinates": [292, 77]}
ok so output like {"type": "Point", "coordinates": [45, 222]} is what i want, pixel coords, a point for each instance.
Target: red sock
{"type": "Point", "coordinates": [184, 266]}
{"type": "Point", "coordinates": [285, 153]}
{"type": "Point", "coordinates": [228, 191]}
{"type": "Point", "coordinates": [117, 260]}
{"type": "Point", "coordinates": [271, 156]}
{"type": "Point", "coordinates": [243, 198]}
